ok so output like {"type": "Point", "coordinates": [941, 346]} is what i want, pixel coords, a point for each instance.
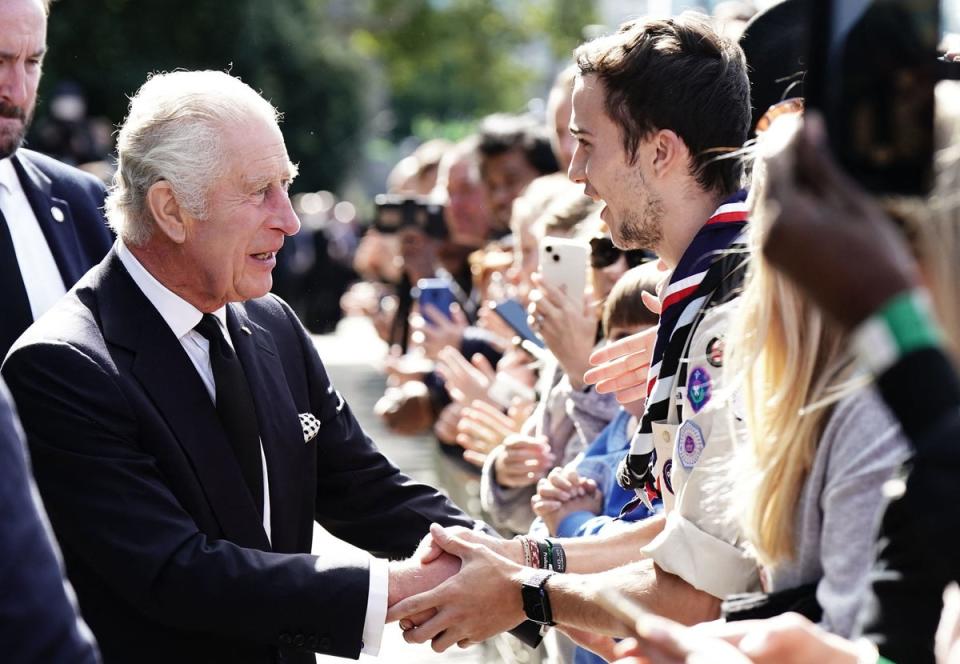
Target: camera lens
{"type": "Point", "coordinates": [556, 258]}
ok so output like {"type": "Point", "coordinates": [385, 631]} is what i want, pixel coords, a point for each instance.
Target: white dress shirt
{"type": "Point", "coordinates": [183, 317]}
{"type": "Point", "coordinates": [38, 269]}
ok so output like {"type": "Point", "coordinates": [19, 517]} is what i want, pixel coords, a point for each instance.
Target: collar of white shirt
{"type": "Point", "coordinates": [179, 314]}
{"type": "Point", "coordinates": [8, 176]}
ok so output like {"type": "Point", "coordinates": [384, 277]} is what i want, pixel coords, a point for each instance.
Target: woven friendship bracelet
{"type": "Point", "coordinates": [902, 325]}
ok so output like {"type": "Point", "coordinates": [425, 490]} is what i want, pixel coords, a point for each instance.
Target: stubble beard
{"type": "Point", "coordinates": [11, 140]}
{"type": "Point", "coordinates": [643, 229]}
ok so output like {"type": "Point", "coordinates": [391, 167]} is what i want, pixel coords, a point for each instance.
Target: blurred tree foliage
{"type": "Point", "coordinates": [440, 62]}
{"type": "Point", "coordinates": [450, 60]}
{"type": "Point", "coordinates": [283, 48]}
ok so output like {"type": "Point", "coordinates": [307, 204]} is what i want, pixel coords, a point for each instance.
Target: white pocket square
{"type": "Point", "coordinates": [310, 425]}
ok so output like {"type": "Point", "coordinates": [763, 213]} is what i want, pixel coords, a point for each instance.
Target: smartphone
{"type": "Point", "coordinates": [872, 70]}
{"type": "Point", "coordinates": [514, 315]}
{"type": "Point", "coordinates": [435, 291]}
{"type": "Point", "coordinates": [563, 264]}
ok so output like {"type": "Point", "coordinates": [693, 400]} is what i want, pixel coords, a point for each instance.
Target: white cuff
{"type": "Point", "coordinates": [376, 607]}
{"type": "Point", "coordinates": [702, 560]}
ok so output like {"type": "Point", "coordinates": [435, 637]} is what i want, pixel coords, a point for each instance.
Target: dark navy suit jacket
{"type": "Point", "coordinates": [38, 621]}
{"type": "Point", "coordinates": [161, 536]}
{"type": "Point", "coordinates": [78, 240]}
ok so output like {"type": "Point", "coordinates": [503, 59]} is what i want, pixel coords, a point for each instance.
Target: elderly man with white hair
{"type": "Point", "coordinates": [184, 432]}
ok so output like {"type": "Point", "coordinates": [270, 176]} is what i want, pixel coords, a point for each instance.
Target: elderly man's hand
{"type": "Point", "coordinates": [622, 366]}
{"type": "Point", "coordinates": [480, 601]}
{"type": "Point", "coordinates": [829, 236]}
{"type": "Point", "coordinates": [413, 576]}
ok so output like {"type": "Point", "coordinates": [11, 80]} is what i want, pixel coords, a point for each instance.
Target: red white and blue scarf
{"type": "Point", "coordinates": [706, 269]}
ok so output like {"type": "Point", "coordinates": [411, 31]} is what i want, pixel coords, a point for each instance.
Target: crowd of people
{"type": "Point", "coordinates": [694, 390]}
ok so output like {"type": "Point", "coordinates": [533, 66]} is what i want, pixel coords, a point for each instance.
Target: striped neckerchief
{"type": "Point", "coordinates": [692, 285]}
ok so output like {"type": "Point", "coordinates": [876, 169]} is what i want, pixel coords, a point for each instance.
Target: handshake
{"type": "Point", "coordinates": [460, 587]}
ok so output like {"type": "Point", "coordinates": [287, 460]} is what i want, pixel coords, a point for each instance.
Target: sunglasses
{"type": "Point", "coordinates": [603, 254]}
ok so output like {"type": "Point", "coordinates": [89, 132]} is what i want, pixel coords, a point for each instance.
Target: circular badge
{"type": "Point", "coordinates": [715, 352]}
{"type": "Point", "coordinates": [698, 388]}
{"type": "Point", "coordinates": [690, 444]}
{"type": "Point", "coordinates": [667, 471]}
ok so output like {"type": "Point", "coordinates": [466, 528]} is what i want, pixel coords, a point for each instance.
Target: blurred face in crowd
{"type": "Point", "coordinates": [23, 41]}
{"type": "Point", "coordinates": [505, 175]}
{"type": "Point", "coordinates": [467, 212]}
{"type": "Point", "coordinates": [562, 140]}
{"type": "Point", "coordinates": [229, 256]}
{"type": "Point", "coordinates": [632, 209]}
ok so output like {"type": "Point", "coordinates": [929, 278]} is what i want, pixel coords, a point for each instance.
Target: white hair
{"type": "Point", "coordinates": [174, 131]}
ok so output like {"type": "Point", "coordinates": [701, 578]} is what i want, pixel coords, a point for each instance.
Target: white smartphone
{"type": "Point", "coordinates": [563, 264]}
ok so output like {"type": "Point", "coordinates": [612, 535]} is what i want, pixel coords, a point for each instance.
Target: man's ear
{"type": "Point", "coordinates": [669, 152]}
{"type": "Point", "coordinates": [170, 217]}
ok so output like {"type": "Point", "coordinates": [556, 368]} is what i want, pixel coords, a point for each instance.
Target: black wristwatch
{"type": "Point", "coordinates": [536, 604]}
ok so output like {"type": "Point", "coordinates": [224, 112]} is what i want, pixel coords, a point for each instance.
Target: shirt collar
{"type": "Point", "coordinates": [8, 176]}
{"type": "Point", "coordinates": [179, 314]}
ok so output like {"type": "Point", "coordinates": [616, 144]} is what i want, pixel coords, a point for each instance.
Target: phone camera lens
{"type": "Point", "coordinates": [549, 249]}
{"type": "Point", "coordinates": [556, 258]}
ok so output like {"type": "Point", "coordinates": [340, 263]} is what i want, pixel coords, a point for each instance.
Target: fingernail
{"type": "Point", "coordinates": [406, 625]}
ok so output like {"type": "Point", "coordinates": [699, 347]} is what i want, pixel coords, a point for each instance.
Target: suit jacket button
{"type": "Point", "coordinates": [286, 639]}
{"type": "Point", "coordinates": [312, 642]}
{"type": "Point", "coordinates": [298, 640]}
{"type": "Point", "coordinates": [323, 644]}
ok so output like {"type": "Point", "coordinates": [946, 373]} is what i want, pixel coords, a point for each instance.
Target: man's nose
{"type": "Point", "coordinates": [286, 219]}
{"type": "Point", "coordinates": [576, 171]}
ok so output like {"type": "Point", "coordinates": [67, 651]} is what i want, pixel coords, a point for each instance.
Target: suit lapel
{"type": "Point", "coordinates": [280, 429]}
{"type": "Point", "coordinates": [55, 219]}
{"type": "Point", "coordinates": [166, 373]}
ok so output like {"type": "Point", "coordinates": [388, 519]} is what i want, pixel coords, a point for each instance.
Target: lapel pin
{"type": "Point", "coordinates": [57, 214]}
{"type": "Point", "coordinates": [245, 330]}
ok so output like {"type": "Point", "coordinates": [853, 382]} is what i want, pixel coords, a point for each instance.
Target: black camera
{"type": "Point", "coordinates": [872, 70]}
{"type": "Point", "coordinates": [397, 212]}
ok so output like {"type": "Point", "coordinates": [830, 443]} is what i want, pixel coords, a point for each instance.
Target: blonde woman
{"type": "Point", "coordinates": [819, 444]}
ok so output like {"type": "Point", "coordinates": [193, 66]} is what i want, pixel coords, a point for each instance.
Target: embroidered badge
{"type": "Point", "coordinates": [667, 471]}
{"type": "Point", "coordinates": [690, 444]}
{"type": "Point", "coordinates": [715, 352]}
{"type": "Point", "coordinates": [310, 425]}
{"type": "Point", "coordinates": [698, 388]}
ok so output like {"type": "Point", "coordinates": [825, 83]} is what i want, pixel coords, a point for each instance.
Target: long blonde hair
{"type": "Point", "coordinates": [790, 365]}
{"type": "Point", "coordinates": [934, 224]}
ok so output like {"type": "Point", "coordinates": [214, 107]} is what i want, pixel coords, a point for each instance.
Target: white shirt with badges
{"type": "Point", "coordinates": [182, 317]}
{"type": "Point", "coordinates": [700, 542]}
{"type": "Point", "coordinates": [38, 269]}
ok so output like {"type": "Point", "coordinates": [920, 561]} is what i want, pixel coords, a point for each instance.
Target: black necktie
{"type": "Point", "coordinates": [17, 314]}
{"type": "Point", "coordinates": [235, 406]}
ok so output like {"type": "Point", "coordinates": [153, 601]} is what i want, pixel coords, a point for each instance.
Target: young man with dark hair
{"type": "Point", "coordinates": [514, 150]}
{"type": "Point", "coordinates": [654, 107]}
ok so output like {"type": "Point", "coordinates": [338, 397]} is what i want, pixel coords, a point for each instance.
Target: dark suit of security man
{"type": "Point", "coordinates": [51, 222]}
